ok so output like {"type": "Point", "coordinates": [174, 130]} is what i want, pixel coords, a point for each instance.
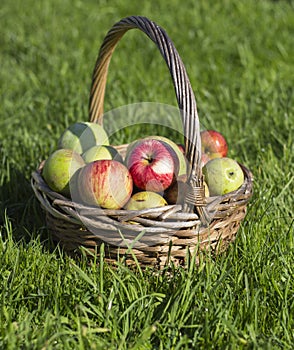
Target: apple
{"type": "Point", "coordinates": [101, 152]}
{"type": "Point", "coordinates": [206, 189]}
{"type": "Point", "coordinates": [206, 157]}
{"type": "Point", "coordinates": [59, 169]}
{"type": "Point", "coordinates": [153, 165]}
{"type": "Point", "coordinates": [144, 200]}
{"type": "Point", "coordinates": [213, 142]}
{"type": "Point", "coordinates": [222, 175]}
{"type": "Point", "coordinates": [181, 147]}
{"type": "Point", "coordinates": [82, 136]}
{"type": "Point", "coordinates": [106, 183]}
{"type": "Point", "coordinates": [177, 148]}
{"type": "Point", "coordinates": [176, 193]}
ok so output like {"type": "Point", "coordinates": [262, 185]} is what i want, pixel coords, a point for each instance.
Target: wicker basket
{"type": "Point", "coordinates": [160, 234]}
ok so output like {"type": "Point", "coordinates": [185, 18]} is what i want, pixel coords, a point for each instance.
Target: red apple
{"type": "Point", "coordinates": [181, 155]}
{"type": "Point", "coordinates": [178, 149]}
{"type": "Point", "coordinates": [153, 164]}
{"type": "Point", "coordinates": [106, 183]}
{"type": "Point", "coordinates": [181, 147]}
{"type": "Point", "coordinates": [175, 194]}
{"type": "Point", "coordinates": [206, 157]}
{"type": "Point", "coordinates": [213, 142]}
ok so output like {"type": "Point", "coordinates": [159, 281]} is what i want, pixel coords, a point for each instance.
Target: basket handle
{"type": "Point", "coordinates": [195, 199]}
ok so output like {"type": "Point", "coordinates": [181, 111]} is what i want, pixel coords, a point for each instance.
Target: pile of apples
{"type": "Point", "coordinates": [153, 172]}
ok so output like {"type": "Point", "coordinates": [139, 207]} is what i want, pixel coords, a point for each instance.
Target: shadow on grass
{"type": "Point", "coordinates": [19, 205]}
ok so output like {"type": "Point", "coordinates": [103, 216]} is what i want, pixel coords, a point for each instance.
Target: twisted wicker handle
{"type": "Point", "coordinates": [195, 199]}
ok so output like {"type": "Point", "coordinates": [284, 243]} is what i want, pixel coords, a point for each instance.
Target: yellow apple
{"type": "Point", "coordinates": [144, 200]}
{"type": "Point", "coordinates": [101, 152]}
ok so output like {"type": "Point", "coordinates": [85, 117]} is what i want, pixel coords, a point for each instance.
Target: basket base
{"type": "Point", "coordinates": [215, 239]}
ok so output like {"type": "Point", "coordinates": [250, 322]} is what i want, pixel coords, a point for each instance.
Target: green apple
{"type": "Point", "coordinates": [101, 152]}
{"type": "Point", "coordinates": [222, 175]}
{"type": "Point", "coordinates": [59, 169]}
{"type": "Point", "coordinates": [145, 200]}
{"type": "Point", "coordinates": [82, 136]}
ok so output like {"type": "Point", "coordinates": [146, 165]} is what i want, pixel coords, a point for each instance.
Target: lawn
{"type": "Point", "coordinates": [239, 58]}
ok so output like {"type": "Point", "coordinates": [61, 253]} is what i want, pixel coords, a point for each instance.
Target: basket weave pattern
{"type": "Point", "coordinates": [200, 223]}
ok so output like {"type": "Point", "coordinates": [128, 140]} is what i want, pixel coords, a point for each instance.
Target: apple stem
{"type": "Point", "coordinates": [149, 159]}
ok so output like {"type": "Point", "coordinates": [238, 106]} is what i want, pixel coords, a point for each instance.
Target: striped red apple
{"type": "Point", "coordinates": [106, 183]}
{"type": "Point", "coordinates": [153, 165]}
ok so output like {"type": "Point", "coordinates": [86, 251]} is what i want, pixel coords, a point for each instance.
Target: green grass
{"type": "Point", "coordinates": [239, 57]}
